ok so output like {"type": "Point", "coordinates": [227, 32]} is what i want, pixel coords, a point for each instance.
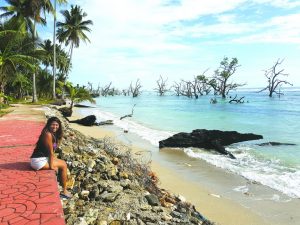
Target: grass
{"type": "Point", "coordinates": [4, 109]}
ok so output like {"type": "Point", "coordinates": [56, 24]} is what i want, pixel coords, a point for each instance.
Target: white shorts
{"type": "Point", "coordinates": [38, 163]}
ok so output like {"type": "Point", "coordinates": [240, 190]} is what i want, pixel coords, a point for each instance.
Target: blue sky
{"type": "Point", "coordinates": [179, 39]}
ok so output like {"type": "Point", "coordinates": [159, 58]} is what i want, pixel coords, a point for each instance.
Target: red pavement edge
{"type": "Point", "coordinates": [26, 196]}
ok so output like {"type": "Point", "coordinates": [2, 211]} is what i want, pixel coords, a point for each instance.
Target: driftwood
{"type": "Point", "coordinates": [273, 143]}
{"type": "Point", "coordinates": [208, 139]}
{"type": "Point", "coordinates": [128, 115]}
{"type": "Point", "coordinates": [237, 100]}
{"type": "Point", "coordinates": [106, 122]}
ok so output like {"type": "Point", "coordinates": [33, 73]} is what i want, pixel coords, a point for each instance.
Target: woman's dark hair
{"type": "Point", "coordinates": [58, 133]}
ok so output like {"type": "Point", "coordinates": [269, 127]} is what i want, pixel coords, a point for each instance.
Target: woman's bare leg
{"type": "Point", "coordinates": [61, 165]}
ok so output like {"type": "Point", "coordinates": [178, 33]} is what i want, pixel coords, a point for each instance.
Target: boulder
{"type": "Point", "coordinates": [86, 121]}
{"type": "Point", "coordinates": [208, 139]}
{"type": "Point", "coordinates": [152, 200]}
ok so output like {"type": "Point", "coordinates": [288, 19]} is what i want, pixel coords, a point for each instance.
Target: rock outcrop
{"type": "Point", "coordinates": [208, 139]}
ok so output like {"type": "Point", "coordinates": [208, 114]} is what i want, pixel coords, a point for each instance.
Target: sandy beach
{"type": "Point", "coordinates": [213, 205]}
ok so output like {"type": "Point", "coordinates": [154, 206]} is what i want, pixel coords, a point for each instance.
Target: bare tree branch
{"type": "Point", "coordinates": [272, 74]}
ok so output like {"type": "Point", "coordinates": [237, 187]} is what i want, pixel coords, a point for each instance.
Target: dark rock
{"type": "Point", "coordinates": [82, 106]}
{"type": "Point", "coordinates": [208, 139]}
{"type": "Point", "coordinates": [273, 143]}
{"type": "Point", "coordinates": [152, 200]}
{"type": "Point", "coordinates": [94, 193]}
{"type": "Point", "coordinates": [66, 111]}
{"type": "Point", "coordinates": [176, 214]}
{"type": "Point", "coordinates": [86, 121]}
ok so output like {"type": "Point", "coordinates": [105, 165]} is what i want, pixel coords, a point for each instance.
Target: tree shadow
{"type": "Point", "coordinates": [22, 166]}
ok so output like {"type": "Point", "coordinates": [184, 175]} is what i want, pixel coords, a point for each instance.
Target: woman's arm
{"type": "Point", "coordinates": [47, 141]}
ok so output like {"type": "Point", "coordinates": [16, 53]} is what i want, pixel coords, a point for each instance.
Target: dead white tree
{"type": "Point", "coordinates": [177, 88]}
{"type": "Point", "coordinates": [274, 81]}
{"type": "Point", "coordinates": [136, 89]}
{"type": "Point", "coordinates": [105, 90]}
{"type": "Point", "coordinates": [161, 86]}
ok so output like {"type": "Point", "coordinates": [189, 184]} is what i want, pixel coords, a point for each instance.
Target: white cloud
{"type": "Point", "coordinates": [134, 38]}
{"type": "Point", "coordinates": [280, 3]}
{"type": "Point", "coordinates": [281, 29]}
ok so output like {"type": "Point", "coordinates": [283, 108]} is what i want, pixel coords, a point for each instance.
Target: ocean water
{"type": "Point", "coordinates": [277, 119]}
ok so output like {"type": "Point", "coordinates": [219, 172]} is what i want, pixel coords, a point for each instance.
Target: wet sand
{"type": "Point", "coordinates": [172, 172]}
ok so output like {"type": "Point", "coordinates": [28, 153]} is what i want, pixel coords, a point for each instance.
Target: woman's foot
{"type": "Point", "coordinates": [66, 194]}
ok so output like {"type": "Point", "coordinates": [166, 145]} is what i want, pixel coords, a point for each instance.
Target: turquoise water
{"type": "Point", "coordinates": [277, 119]}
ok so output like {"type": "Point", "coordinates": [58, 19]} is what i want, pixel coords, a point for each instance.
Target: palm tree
{"type": "Point", "coordinates": [15, 50]}
{"type": "Point", "coordinates": [78, 94]}
{"type": "Point", "coordinates": [22, 12]}
{"type": "Point", "coordinates": [54, 44]}
{"type": "Point", "coordinates": [48, 47]}
{"type": "Point", "coordinates": [72, 30]}
{"type": "Point", "coordinates": [36, 7]}
{"type": "Point", "coordinates": [20, 15]}
{"type": "Point", "coordinates": [21, 84]}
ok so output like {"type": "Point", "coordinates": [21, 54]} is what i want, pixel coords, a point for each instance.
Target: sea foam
{"type": "Point", "coordinates": [148, 134]}
{"type": "Point", "coordinates": [267, 172]}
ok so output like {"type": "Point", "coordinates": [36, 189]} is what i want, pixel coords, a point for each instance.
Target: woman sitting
{"type": "Point", "coordinates": [43, 157]}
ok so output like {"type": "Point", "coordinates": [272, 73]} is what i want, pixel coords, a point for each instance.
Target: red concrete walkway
{"type": "Point", "coordinates": [26, 196]}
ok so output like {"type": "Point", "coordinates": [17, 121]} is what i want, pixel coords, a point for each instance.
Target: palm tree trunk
{"type": "Point", "coordinates": [34, 96]}
{"type": "Point", "coordinates": [67, 74]}
{"type": "Point", "coordinates": [54, 50]}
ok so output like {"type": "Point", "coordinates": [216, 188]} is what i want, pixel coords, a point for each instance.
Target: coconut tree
{"type": "Point", "coordinates": [78, 94]}
{"type": "Point", "coordinates": [54, 43]}
{"type": "Point", "coordinates": [19, 15]}
{"type": "Point", "coordinates": [15, 50]}
{"type": "Point", "coordinates": [21, 84]}
{"type": "Point", "coordinates": [73, 29]}
{"type": "Point", "coordinates": [48, 47]}
{"type": "Point", "coordinates": [37, 8]}
{"type": "Point", "coordinates": [27, 13]}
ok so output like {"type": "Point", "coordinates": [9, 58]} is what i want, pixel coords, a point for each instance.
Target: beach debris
{"type": "Point", "coordinates": [215, 195]}
{"type": "Point", "coordinates": [181, 198]}
{"type": "Point", "coordinates": [208, 139]}
{"type": "Point", "coordinates": [274, 143]}
{"type": "Point", "coordinates": [105, 122]}
{"type": "Point", "coordinates": [189, 165]}
{"type": "Point", "coordinates": [236, 99]}
{"type": "Point", "coordinates": [128, 115]}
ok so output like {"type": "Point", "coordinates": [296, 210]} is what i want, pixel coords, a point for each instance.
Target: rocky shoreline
{"type": "Point", "coordinates": [110, 186]}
